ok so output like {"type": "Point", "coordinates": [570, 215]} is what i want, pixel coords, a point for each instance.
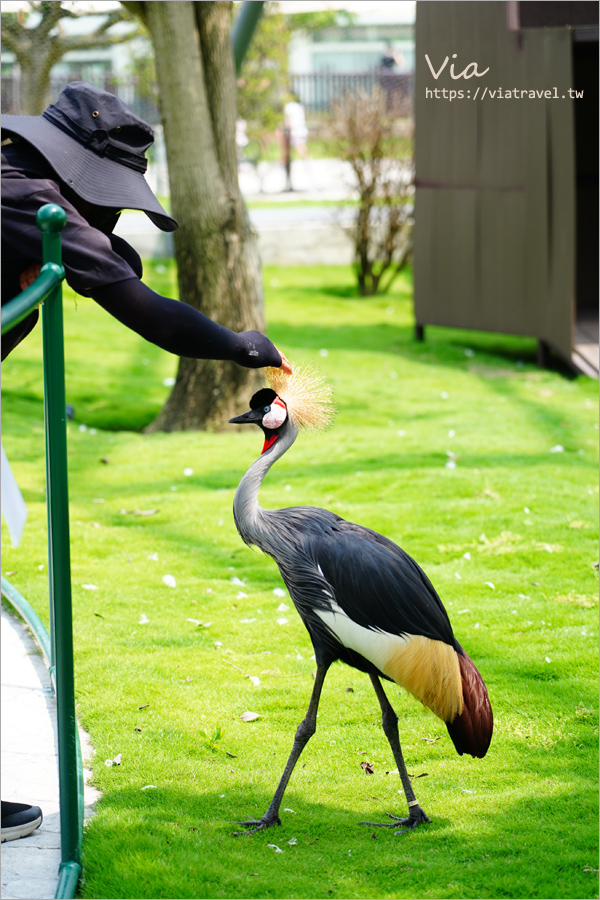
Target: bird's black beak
{"type": "Point", "coordinates": [252, 417]}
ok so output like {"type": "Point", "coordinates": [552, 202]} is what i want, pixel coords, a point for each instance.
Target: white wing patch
{"type": "Point", "coordinates": [426, 668]}
{"type": "Point", "coordinates": [376, 646]}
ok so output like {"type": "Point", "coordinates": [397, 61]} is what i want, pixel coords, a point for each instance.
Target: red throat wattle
{"type": "Point", "coordinates": [269, 441]}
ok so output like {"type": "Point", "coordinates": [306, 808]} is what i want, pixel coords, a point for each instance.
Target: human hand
{"type": "Point", "coordinates": [28, 275]}
{"type": "Point", "coordinates": [257, 352]}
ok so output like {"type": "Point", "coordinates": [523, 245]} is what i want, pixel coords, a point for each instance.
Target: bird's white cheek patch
{"type": "Point", "coordinates": [277, 414]}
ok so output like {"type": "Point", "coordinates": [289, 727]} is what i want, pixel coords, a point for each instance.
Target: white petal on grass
{"type": "Point", "coordinates": [153, 556]}
{"type": "Point", "coordinates": [469, 352]}
{"type": "Point", "coordinates": [489, 584]}
{"type": "Point", "coordinates": [451, 433]}
{"type": "Point", "coordinates": [113, 762]}
{"type": "Point", "coordinates": [240, 595]}
{"type": "Point", "coordinates": [526, 510]}
{"type": "Point", "coordinates": [254, 679]}
{"type": "Point", "coordinates": [282, 621]}
{"type": "Point", "coordinates": [169, 581]}
{"type": "Point", "coordinates": [467, 555]}
{"type": "Point", "coordinates": [279, 592]}
{"type": "Point", "coordinates": [558, 448]}
{"type": "Point", "coordinates": [83, 427]}
{"type": "Point", "coordinates": [323, 352]}
{"type": "Point", "coordinates": [247, 621]}
{"type": "Point", "coordinates": [292, 842]}
{"type": "Point", "coordinates": [188, 472]}
{"type": "Point", "coordinates": [457, 575]}
{"type": "Point", "coordinates": [168, 382]}
{"type": "Point", "coordinates": [547, 658]}
{"type": "Point", "coordinates": [461, 611]}
{"type": "Point", "coordinates": [275, 848]}
{"type": "Point", "coordinates": [148, 787]}
{"type": "Point", "coordinates": [90, 587]}
{"type": "Point", "coordinates": [193, 621]}
{"type": "Point", "coordinates": [143, 620]}
{"type": "Point", "coordinates": [283, 607]}
{"type": "Point", "coordinates": [287, 809]}
{"type": "Point", "coordinates": [451, 464]}
{"type": "Point", "coordinates": [444, 395]}
{"type": "Point", "coordinates": [249, 716]}
{"type": "Point", "coordinates": [401, 433]}
{"type": "Point", "coordinates": [236, 580]}
{"type": "Point", "coordinates": [524, 597]}
{"type": "Point", "coordinates": [465, 791]}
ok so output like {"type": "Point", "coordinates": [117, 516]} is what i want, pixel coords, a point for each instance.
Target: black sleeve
{"type": "Point", "coordinates": [180, 329]}
{"type": "Point", "coordinates": [126, 252]}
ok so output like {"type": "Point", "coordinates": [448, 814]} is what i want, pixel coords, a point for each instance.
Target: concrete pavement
{"type": "Point", "coordinates": [30, 763]}
{"type": "Point", "coordinates": [305, 235]}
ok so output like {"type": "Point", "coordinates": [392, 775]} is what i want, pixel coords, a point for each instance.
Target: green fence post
{"type": "Point", "coordinates": [51, 219]}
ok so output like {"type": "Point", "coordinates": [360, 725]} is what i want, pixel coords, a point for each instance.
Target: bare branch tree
{"type": "Point", "coordinates": [382, 229]}
{"type": "Point", "coordinates": [40, 46]}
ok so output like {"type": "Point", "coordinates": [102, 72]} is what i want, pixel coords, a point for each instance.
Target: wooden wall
{"type": "Point", "coordinates": [494, 207]}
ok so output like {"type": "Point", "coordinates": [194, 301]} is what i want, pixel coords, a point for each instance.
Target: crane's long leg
{"type": "Point", "coordinates": [389, 722]}
{"type": "Point", "coordinates": [304, 732]}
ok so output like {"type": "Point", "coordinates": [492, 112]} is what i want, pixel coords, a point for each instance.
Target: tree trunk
{"type": "Point", "coordinates": [34, 94]}
{"type": "Point", "coordinates": [215, 245]}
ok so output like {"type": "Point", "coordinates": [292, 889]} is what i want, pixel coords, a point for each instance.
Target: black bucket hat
{"type": "Point", "coordinates": [97, 146]}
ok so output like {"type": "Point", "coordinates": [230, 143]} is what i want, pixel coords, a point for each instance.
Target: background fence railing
{"type": "Point", "coordinates": [58, 645]}
{"type": "Point", "coordinates": [127, 88]}
{"type": "Point", "coordinates": [318, 91]}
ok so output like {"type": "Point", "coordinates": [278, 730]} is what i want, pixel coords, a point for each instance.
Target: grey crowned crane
{"type": "Point", "coordinates": [363, 600]}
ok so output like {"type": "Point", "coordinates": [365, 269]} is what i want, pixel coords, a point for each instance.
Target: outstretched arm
{"type": "Point", "coordinates": [180, 329]}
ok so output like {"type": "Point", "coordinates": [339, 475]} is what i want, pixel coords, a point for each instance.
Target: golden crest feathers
{"type": "Point", "coordinates": [305, 393]}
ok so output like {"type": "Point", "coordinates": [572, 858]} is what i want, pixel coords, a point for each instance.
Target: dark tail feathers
{"type": "Point", "coordinates": [471, 732]}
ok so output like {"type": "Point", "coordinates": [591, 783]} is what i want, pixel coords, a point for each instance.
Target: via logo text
{"type": "Point", "coordinates": [464, 74]}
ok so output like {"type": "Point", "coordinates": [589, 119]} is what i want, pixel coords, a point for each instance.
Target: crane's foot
{"type": "Point", "coordinates": [254, 825]}
{"type": "Point", "coordinates": [416, 817]}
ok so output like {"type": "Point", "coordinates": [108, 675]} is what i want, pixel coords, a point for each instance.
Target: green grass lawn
{"type": "Point", "coordinates": [507, 534]}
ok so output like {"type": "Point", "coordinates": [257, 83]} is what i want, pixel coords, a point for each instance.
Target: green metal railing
{"type": "Point", "coordinates": [58, 645]}
{"type": "Point", "coordinates": [243, 29]}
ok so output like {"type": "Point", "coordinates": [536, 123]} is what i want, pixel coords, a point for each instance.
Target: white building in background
{"type": "Point", "coordinates": [359, 47]}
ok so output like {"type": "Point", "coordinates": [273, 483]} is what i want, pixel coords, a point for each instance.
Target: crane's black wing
{"type": "Point", "coordinates": [376, 583]}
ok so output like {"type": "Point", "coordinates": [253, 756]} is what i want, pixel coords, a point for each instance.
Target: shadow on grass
{"type": "Point", "coordinates": [168, 842]}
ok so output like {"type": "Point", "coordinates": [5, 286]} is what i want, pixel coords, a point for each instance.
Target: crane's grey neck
{"type": "Point", "coordinates": [250, 517]}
